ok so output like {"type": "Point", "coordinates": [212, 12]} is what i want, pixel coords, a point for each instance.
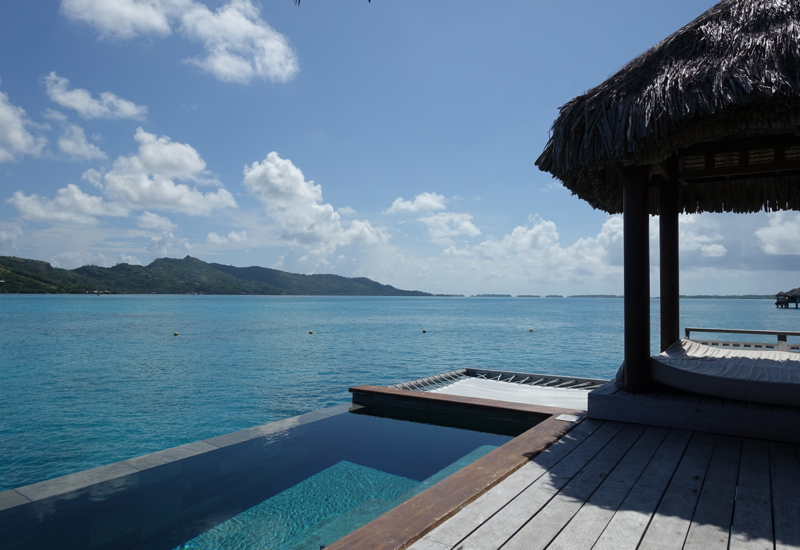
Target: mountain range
{"type": "Point", "coordinates": [180, 276]}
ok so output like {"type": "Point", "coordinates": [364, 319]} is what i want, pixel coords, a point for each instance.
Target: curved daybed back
{"type": "Point", "coordinates": [771, 377]}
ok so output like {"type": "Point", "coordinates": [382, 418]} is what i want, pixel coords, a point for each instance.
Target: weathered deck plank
{"type": "Point", "coordinates": [546, 525]}
{"type": "Point", "coordinates": [474, 514]}
{"type": "Point", "coordinates": [785, 474]}
{"type": "Point", "coordinates": [500, 527]}
{"type": "Point", "coordinates": [631, 486]}
{"type": "Point", "coordinates": [588, 524]}
{"type": "Point", "coordinates": [752, 515]}
{"type": "Point", "coordinates": [670, 524]}
{"type": "Point", "coordinates": [625, 529]}
{"type": "Point", "coordinates": [711, 523]}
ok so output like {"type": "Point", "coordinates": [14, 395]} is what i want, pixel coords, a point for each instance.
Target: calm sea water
{"type": "Point", "coordinates": [89, 380]}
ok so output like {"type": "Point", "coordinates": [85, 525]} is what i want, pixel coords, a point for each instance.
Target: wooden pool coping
{"type": "Point", "coordinates": [410, 521]}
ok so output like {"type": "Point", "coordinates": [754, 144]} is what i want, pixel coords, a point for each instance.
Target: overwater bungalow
{"type": "Point", "coordinates": [783, 299]}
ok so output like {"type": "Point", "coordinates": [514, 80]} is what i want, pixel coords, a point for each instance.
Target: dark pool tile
{"type": "Point", "coordinates": [26, 544]}
{"type": "Point", "coordinates": [130, 540]}
{"type": "Point", "coordinates": [15, 532]}
{"type": "Point", "coordinates": [59, 535]}
{"type": "Point", "coordinates": [245, 454]}
{"type": "Point", "coordinates": [191, 518]}
{"type": "Point", "coordinates": [168, 456]}
{"type": "Point", "coordinates": [120, 526]}
{"type": "Point", "coordinates": [104, 500]}
{"type": "Point", "coordinates": [77, 481]}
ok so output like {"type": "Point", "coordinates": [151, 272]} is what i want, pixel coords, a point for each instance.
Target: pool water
{"type": "Point", "coordinates": [309, 485]}
{"type": "Point", "coordinates": [335, 502]}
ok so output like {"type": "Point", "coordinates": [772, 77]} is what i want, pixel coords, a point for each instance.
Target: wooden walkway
{"type": "Point", "coordinates": [616, 485]}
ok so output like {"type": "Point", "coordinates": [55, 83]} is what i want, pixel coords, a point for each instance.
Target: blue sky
{"type": "Point", "coordinates": [394, 140]}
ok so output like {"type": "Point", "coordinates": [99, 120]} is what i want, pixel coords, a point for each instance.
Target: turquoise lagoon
{"type": "Point", "coordinates": [90, 380]}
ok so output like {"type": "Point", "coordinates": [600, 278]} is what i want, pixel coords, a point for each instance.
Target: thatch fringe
{"type": "Point", "coordinates": [732, 72]}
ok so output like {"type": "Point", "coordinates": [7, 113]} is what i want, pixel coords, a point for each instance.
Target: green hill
{"type": "Point", "coordinates": [180, 276]}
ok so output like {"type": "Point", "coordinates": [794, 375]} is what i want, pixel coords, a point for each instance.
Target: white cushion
{"type": "Point", "coordinates": [771, 377]}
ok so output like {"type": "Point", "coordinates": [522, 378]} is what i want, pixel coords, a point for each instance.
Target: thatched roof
{"type": "Point", "coordinates": [794, 293]}
{"type": "Point", "coordinates": [733, 72]}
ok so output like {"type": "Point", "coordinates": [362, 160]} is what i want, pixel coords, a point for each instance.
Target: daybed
{"type": "Point", "coordinates": [771, 377]}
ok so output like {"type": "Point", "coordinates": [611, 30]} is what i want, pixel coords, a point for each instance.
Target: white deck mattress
{"type": "Point", "coordinates": [771, 377]}
{"type": "Point", "coordinates": [517, 393]}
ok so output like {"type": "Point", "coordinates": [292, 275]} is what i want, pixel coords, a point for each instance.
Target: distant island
{"type": "Point", "coordinates": [180, 276]}
{"type": "Point", "coordinates": [554, 296]}
{"type": "Point", "coordinates": [733, 296]}
{"type": "Point", "coordinates": [491, 296]}
{"type": "Point", "coordinates": [528, 296]}
{"type": "Point", "coordinates": [594, 296]}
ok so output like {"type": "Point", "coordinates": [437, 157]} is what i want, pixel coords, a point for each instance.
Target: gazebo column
{"type": "Point", "coordinates": [669, 261]}
{"type": "Point", "coordinates": [635, 215]}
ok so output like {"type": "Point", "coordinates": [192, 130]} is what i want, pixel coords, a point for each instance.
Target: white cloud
{"type": "Point", "coordinates": [148, 220]}
{"type": "Point", "coordinates": [125, 258]}
{"type": "Point", "coordinates": [782, 235]}
{"type": "Point", "coordinates": [346, 211]}
{"type": "Point", "coordinates": [239, 45]}
{"type": "Point", "coordinates": [108, 106]}
{"type": "Point", "coordinates": [73, 143]}
{"type": "Point", "coordinates": [94, 177]}
{"type": "Point", "coordinates": [422, 202]}
{"type": "Point", "coordinates": [145, 180]}
{"type": "Point", "coordinates": [15, 140]}
{"type": "Point", "coordinates": [70, 205]}
{"type": "Point", "coordinates": [232, 237]}
{"type": "Point", "coordinates": [296, 207]}
{"type": "Point", "coordinates": [529, 259]}
{"type": "Point", "coordinates": [54, 115]}
{"type": "Point", "coordinates": [697, 233]}
{"type": "Point", "coordinates": [160, 246]}
{"type": "Point", "coordinates": [444, 225]}
{"type": "Point", "coordinates": [122, 19]}
{"type": "Point", "coordinates": [361, 231]}
{"type": "Point", "coordinates": [73, 260]}
{"type": "Point", "coordinates": [9, 233]}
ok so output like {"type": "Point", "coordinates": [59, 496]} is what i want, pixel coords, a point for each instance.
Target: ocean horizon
{"type": "Point", "coordinates": [91, 380]}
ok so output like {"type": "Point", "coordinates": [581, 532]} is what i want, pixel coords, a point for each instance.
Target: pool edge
{"type": "Point", "coordinates": [412, 520]}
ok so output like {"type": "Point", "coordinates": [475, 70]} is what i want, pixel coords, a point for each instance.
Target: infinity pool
{"type": "Point", "coordinates": [298, 483]}
{"type": "Point", "coordinates": [351, 469]}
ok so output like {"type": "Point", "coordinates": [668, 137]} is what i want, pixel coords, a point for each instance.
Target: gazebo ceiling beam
{"type": "Point", "coordinates": [731, 144]}
{"type": "Point", "coordinates": [746, 170]}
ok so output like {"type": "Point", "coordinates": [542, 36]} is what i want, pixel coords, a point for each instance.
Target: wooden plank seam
{"type": "Point", "coordinates": [660, 500]}
{"type": "Point", "coordinates": [572, 478]}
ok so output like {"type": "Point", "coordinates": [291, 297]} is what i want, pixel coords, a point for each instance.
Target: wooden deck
{"type": "Point", "coordinates": [616, 485]}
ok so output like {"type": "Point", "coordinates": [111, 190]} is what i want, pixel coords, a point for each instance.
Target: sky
{"type": "Point", "coordinates": [394, 140]}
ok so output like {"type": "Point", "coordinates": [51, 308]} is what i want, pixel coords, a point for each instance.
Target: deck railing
{"type": "Point", "coordinates": [780, 345]}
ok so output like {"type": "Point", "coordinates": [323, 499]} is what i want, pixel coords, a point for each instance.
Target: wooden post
{"type": "Point", "coordinates": [635, 215]}
{"type": "Point", "coordinates": [668, 255]}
